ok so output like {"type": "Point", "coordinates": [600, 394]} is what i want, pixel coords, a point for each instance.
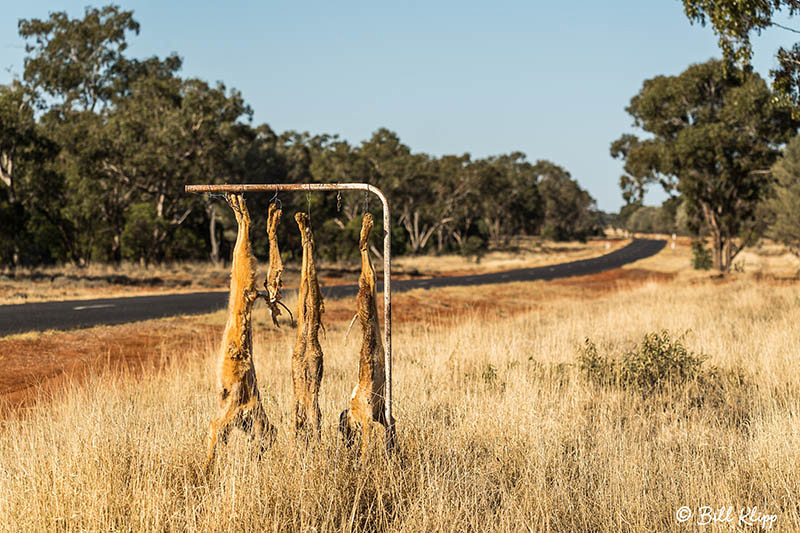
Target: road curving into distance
{"type": "Point", "coordinates": [72, 314]}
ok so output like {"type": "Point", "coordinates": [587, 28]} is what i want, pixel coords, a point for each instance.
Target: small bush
{"type": "Point", "coordinates": [660, 359]}
{"type": "Point", "coordinates": [474, 247]}
{"type": "Point", "coordinates": [490, 374]}
{"type": "Point", "coordinates": [701, 258]}
{"type": "Point", "coordinates": [657, 361]}
{"type": "Point", "coordinates": [596, 367]}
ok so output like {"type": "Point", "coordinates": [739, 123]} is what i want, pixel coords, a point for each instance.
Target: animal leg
{"type": "Point", "coordinates": [347, 428]}
{"type": "Point", "coordinates": [263, 430]}
{"type": "Point", "coordinates": [220, 427]}
{"type": "Point", "coordinates": [253, 421]}
{"type": "Point", "coordinates": [299, 418]}
{"type": "Point", "coordinates": [314, 379]}
{"type": "Point", "coordinates": [314, 414]}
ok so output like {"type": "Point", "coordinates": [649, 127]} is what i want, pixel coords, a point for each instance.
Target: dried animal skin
{"type": "Point", "coordinates": [307, 354]}
{"type": "Point", "coordinates": [274, 281]}
{"type": "Point", "coordinates": [239, 400]}
{"type": "Point", "coordinates": [367, 401]}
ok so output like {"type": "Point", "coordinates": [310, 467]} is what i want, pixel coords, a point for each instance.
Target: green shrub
{"type": "Point", "coordinates": [657, 361]}
{"type": "Point", "coordinates": [701, 258]}
{"type": "Point", "coordinates": [475, 247]}
{"type": "Point", "coordinates": [596, 367]}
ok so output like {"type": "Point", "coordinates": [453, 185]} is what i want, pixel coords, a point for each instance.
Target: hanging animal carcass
{"type": "Point", "coordinates": [367, 402]}
{"type": "Point", "coordinates": [239, 400]}
{"type": "Point", "coordinates": [307, 354]}
{"type": "Point", "coordinates": [274, 282]}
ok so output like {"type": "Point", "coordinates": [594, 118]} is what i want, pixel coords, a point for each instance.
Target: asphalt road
{"type": "Point", "coordinates": [85, 313]}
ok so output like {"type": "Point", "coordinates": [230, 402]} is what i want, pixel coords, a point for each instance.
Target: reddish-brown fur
{"type": "Point", "coordinates": [307, 355]}
{"type": "Point", "coordinates": [239, 400]}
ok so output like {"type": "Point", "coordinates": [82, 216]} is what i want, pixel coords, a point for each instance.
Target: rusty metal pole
{"type": "Point", "coordinates": [387, 265]}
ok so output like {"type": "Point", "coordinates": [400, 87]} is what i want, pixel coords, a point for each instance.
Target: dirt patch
{"type": "Point", "coordinates": [32, 368]}
{"type": "Point", "coordinates": [776, 281]}
{"type": "Point", "coordinates": [598, 284]}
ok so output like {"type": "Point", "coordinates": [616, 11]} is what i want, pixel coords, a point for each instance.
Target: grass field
{"type": "Point", "coordinates": [498, 426]}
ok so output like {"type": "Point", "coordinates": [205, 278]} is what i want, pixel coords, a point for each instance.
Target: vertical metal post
{"type": "Point", "coordinates": [387, 316]}
{"type": "Point", "coordinates": [387, 266]}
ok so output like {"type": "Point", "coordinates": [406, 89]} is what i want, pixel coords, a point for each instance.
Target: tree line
{"type": "Point", "coordinates": [96, 146]}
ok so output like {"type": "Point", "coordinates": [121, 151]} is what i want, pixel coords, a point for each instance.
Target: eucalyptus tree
{"type": "Point", "coordinates": [735, 21]}
{"type": "Point", "coordinates": [74, 67]}
{"type": "Point", "coordinates": [783, 205]}
{"type": "Point", "coordinates": [167, 133]}
{"type": "Point", "coordinates": [567, 209]}
{"type": "Point", "coordinates": [713, 133]}
{"type": "Point", "coordinates": [406, 178]}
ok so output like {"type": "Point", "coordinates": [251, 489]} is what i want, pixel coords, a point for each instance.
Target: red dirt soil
{"type": "Point", "coordinates": [35, 369]}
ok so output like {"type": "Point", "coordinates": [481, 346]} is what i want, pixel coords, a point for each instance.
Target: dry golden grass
{"type": "Point", "coordinates": [68, 282]}
{"type": "Point", "coordinates": [497, 430]}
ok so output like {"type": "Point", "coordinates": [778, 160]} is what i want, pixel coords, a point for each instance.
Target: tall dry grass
{"type": "Point", "coordinates": [498, 431]}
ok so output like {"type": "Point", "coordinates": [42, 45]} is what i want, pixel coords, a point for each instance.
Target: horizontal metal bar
{"type": "Point", "coordinates": [270, 187]}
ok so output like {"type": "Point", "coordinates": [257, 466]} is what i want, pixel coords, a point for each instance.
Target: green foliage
{"type": "Point", "coordinates": [783, 206]}
{"type": "Point", "coordinates": [714, 132]}
{"type": "Point", "coordinates": [98, 173]}
{"type": "Point", "coordinates": [701, 257]}
{"type": "Point", "coordinates": [657, 362]}
{"type": "Point", "coordinates": [140, 226]}
{"type": "Point", "coordinates": [651, 219]}
{"type": "Point", "coordinates": [735, 21]}
{"type": "Point", "coordinates": [475, 246]}
{"type": "Point", "coordinates": [568, 209]}
{"type": "Point", "coordinates": [75, 60]}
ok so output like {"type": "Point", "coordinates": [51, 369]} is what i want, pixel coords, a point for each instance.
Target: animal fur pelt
{"type": "Point", "coordinates": [307, 354]}
{"type": "Point", "coordinates": [367, 403]}
{"type": "Point", "coordinates": [274, 282]}
{"type": "Point", "coordinates": [239, 400]}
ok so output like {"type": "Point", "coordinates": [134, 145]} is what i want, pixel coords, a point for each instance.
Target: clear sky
{"type": "Point", "coordinates": [550, 79]}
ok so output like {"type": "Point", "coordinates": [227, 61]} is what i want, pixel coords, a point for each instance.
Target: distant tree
{"type": "Point", "coordinates": [77, 68]}
{"type": "Point", "coordinates": [714, 134]}
{"type": "Point", "coordinates": [568, 209]}
{"type": "Point", "coordinates": [455, 198]}
{"type": "Point", "coordinates": [468, 206]}
{"type": "Point", "coordinates": [75, 62]}
{"type": "Point", "coordinates": [167, 133]}
{"type": "Point", "coordinates": [407, 179]}
{"type": "Point", "coordinates": [651, 219]}
{"type": "Point", "coordinates": [656, 219]}
{"type": "Point", "coordinates": [17, 135]}
{"type": "Point", "coordinates": [515, 205]}
{"type": "Point", "coordinates": [30, 191]}
{"type": "Point", "coordinates": [784, 204]}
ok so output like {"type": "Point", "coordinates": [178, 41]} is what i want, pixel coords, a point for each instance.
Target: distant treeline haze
{"type": "Point", "coordinates": [95, 148]}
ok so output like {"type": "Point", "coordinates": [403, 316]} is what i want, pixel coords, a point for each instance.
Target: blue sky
{"type": "Point", "coordinates": [549, 79]}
